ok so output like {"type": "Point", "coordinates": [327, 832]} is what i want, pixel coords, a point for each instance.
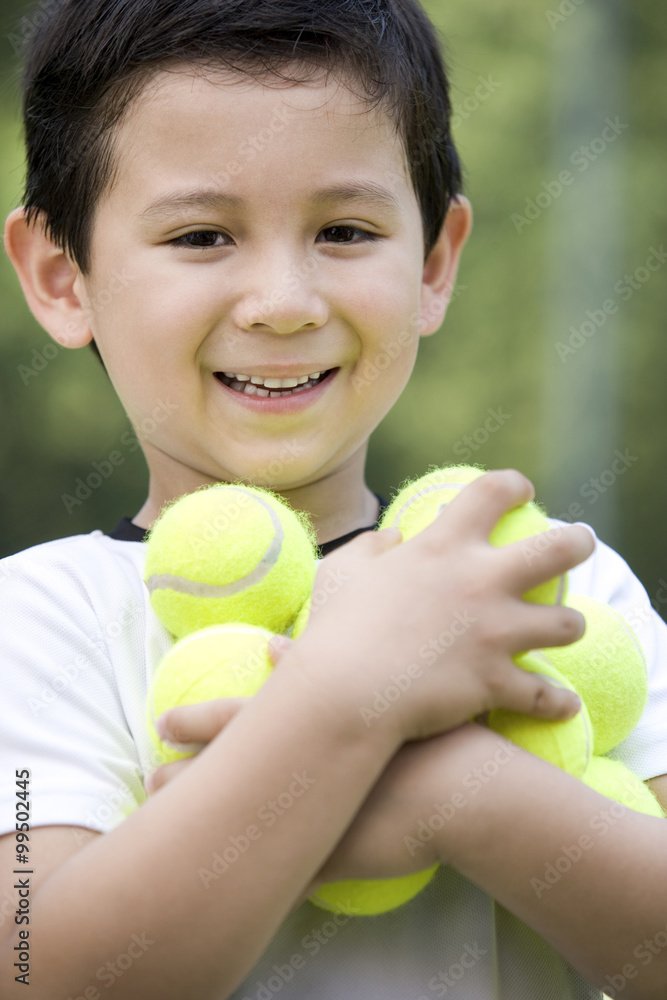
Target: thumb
{"type": "Point", "coordinates": [278, 646]}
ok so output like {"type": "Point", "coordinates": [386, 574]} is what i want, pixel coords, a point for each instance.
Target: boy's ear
{"type": "Point", "coordinates": [51, 282]}
{"type": "Point", "coordinates": [442, 265]}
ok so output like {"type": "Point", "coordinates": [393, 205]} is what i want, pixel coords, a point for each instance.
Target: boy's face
{"type": "Point", "coordinates": [187, 284]}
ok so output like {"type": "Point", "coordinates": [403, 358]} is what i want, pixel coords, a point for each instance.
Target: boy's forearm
{"type": "Point", "coordinates": [207, 869]}
{"type": "Point", "coordinates": [589, 875]}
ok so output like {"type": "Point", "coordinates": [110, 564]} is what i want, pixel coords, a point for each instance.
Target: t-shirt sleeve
{"type": "Point", "coordinates": [606, 577]}
{"type": "Point", "coordinates": [61, 714]}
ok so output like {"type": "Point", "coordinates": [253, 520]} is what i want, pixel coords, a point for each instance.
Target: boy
{"type": "Point", "coordinates": [220, 151]}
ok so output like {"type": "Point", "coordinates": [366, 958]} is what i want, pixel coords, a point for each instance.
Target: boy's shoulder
{"type": "Point", "coordinates": [90, 556]}
{"type": "Point", "coordinates": [84, 589]}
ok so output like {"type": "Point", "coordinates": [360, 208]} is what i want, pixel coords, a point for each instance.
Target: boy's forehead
{"type": "Point", "coordinates": [231, 130]}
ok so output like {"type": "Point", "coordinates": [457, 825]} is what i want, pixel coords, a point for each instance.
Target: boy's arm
{"type": "Point", "coordinates": [586, 873]}
{"type": "Point", "coordinates": [208, 869]}
{"type": "Point", "coordinates": [230, 883]}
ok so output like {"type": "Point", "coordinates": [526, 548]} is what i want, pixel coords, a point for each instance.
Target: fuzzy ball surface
{"type": "Point", "coordinates": [229, 553]}
{"type": "Point", "coordinates": [419, 501]}
{"type": "Point", "coordinates": [222, 661]}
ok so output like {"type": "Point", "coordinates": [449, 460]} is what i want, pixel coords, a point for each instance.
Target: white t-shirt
{"type": "Point", "coordinates": [79, 643]}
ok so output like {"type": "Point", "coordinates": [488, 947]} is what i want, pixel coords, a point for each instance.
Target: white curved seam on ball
{"type": "Point", "coordinates": [424, 492]}
{"type": "Point", "coordinates": [195, 588]}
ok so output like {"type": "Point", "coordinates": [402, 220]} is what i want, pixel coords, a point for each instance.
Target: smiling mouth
{"type": "Point", "coordinates": [257, 388]}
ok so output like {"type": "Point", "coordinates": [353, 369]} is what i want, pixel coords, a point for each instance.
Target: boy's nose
{"type": "Point", "coordinates": [282, 297]}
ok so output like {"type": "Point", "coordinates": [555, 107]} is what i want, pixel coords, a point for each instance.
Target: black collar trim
{"type": "Point", "coordinates": [127, 531]}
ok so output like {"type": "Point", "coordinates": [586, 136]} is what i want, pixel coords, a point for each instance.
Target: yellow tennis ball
{"type": "Point", "coordinates": [613, 779]}
{"type": "Point", "coordinates": [419, 501]}
{"type": "Point", "coordinates": [222, 661]}
{"type": "Point", "coordinates": [229, 553]}
{"type": "Point", "coordinates": [608, 668]}
{"type": "Point", "coordinates": [369, 897]}
{"type": "Point", "coordinates": [568, 744]}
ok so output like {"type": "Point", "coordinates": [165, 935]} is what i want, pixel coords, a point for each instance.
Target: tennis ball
{"type": "Point", "coordinates": [613, 779]}
{"type": "Point", "coordinates": [222, 661]}
{"type": "Point", "coordinates": [229, 553]}
{"type": "Point", "coordinates": [567, 744]}
{"type": "Point", "coordinates": [608, 669]}
{"type": "Point", "coordinates": [419, 501]}
{"type": "Point", "coordinates": [368, 897]}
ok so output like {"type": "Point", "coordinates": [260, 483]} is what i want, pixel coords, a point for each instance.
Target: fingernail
{"type": "Point", "coordinates": [577, 708]}
{"type": "Point", "coordinates": [162, 728]}
{"type": "Point", "coordinates": [149, 783]}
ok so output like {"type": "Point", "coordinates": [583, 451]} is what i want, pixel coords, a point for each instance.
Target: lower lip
{"type": "Point", "coordinates": [286, 404]}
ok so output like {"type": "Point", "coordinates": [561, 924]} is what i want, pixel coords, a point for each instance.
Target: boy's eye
{"type": "Point", "coordinates": [208, 239]}
{"type": "Point", "coordinates": [200, 239]}
{"type": "Point", "coordinates": [343, 231]}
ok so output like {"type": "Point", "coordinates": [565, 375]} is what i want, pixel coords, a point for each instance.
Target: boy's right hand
{"type": "Point", "coordinates": [418, 636]}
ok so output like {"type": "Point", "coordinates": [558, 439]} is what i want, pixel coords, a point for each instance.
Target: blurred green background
{"type": "Point", "coordinates": [553, 354]}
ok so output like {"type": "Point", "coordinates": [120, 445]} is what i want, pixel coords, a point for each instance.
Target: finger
{"type": "Point", "coordinates": [164, 774]}
{"type": "Point", "coordinates": [540, 626]}
{"type": "Point", "coordinates": [475, 511]}
{"type": "Point", "coordinates": [198, 723]}
{"type": "Point", "coordinates": [541, 557]}
{"type": "Point", "coordinates": [534, 694]}
{"type": "Point", "coordinates": [278, 646]}
{"type": "Point", "coordinates": [368, 543]}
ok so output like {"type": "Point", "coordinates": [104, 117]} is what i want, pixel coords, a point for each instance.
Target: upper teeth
{"type": "Point", "coordinates": [273, 383]}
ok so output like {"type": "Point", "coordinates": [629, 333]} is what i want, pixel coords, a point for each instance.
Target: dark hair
{"type": "Point", "coordinates": [86, 60]}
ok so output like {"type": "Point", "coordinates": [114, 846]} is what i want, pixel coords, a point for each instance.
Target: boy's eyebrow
{"type": "Point", "coordinates": [367, 191]}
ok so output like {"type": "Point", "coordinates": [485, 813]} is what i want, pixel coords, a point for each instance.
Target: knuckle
{"type": "Point", "coordinates": [496, 681]}
{"type": "Point", "coordinates": [542, 698]}
{"type": "Point", "coordinates": [501, 484]}
{"type": "Point", "coordinates": [571, 624]}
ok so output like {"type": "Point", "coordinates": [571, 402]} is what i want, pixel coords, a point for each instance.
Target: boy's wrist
{"type": "Point", "coordinates": [465, 762]}
{"type": "Point", "coordinates": [316, 670]}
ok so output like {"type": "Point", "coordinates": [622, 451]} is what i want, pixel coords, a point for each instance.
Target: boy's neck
{"type": "Point", "coordinates": [337, 503]}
